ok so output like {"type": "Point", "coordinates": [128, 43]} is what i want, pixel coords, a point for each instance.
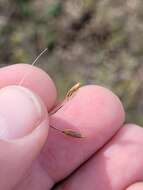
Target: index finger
{"type": "Point", "coordinates": [94, 111]}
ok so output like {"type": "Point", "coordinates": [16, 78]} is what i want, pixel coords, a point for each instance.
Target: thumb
{"type": "Point", "coordinates": [23, 132]}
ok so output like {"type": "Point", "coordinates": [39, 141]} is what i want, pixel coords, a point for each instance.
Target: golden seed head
{"type": "Point", "coordinates": [73, 89]}
{"type": "Point", "coordinates": [72, 133]}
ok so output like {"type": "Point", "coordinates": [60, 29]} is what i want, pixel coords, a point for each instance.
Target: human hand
{"type": "Point", "coordinates": [34, 156]}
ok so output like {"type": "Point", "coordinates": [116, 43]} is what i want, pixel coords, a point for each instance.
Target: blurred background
{"type": "Point", "coordinates": [89, 41]}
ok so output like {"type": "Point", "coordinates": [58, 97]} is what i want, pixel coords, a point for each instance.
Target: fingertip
{"type": "Point", "coordinates": [94, 107]}
{"type": "Point", "coordinates": [36, 80]}
{"type": "Point", "coordinates": [105, 99]}
{"type": "Point", "coordinates": [21, 111]}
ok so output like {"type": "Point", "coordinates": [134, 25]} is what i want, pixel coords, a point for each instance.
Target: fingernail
{"type": "Point", "coordinates": [21, 111]}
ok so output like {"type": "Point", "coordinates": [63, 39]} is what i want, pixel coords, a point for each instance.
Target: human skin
{"type": "Point", "coordinates": [34, 156]}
